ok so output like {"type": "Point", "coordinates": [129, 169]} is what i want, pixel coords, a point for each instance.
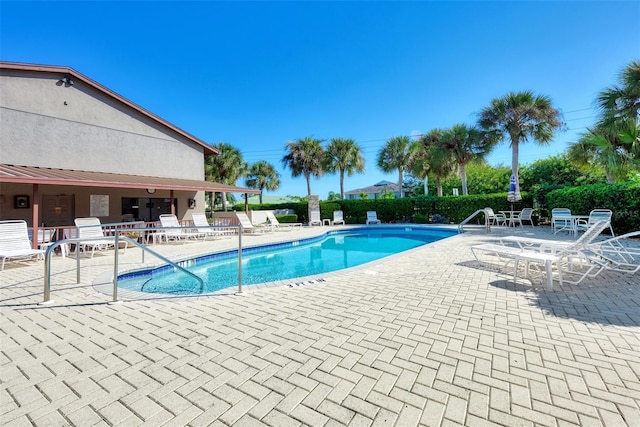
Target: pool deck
{"type": "Point", "coordinates": [427, 337]}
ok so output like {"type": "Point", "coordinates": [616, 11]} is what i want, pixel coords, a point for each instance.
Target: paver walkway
{"type": "Point", "coordinates": [425, 338]}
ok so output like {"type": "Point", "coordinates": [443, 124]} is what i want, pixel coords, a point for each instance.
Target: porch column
{"type": "Point", "coordinates": [35, 196]}
{"type": "Point", "coordinates": [173, 206]}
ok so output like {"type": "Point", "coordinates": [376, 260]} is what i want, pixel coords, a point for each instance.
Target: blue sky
{"type": "Point", "coordinates": [258, 74]}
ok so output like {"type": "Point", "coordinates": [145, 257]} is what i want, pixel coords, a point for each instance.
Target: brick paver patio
{"type": "Point", "coordinates": [424, 338]}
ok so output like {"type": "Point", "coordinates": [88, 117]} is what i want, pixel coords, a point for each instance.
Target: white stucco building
{"type": "Point", "coordinates": [70, 147]}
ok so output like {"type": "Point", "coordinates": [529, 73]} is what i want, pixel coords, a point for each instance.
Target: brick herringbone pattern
{"type": "Point", "coordinates": [426, 338]}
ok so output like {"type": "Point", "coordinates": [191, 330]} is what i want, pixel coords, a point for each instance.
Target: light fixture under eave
{"type": "Point", "coordinates": [66, 81]}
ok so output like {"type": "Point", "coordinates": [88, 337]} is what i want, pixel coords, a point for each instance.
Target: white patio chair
{"type": "Point", "coordinates": [561, 220]}
{"type": "Point", "coordinates": [524, 215]}
{"type": "Point", "coordinates": [174, 230]}
{"type": "Point", "coordinates": [15, 242]}
{"type": "Point", "coordinates": [372, 218]}
{"type": "Point", "coordinates": [248, 226]}
{"type": "Point", "coordinates": [205, 229]}
{"type": "Point", "coordinates": [595, 216]}
{"type": "Point", "coordinates": [89, 228]}
{"type": "Point", "coordinates": [279, 226]}
{"type": "Point", "coordinates": [570, 258]}
{"type": "Point", "coordinates": [495, 218]}
{"type": "Point", "coordinates": [315, 218]}
{"type": "Point", "coordinates": [338, 217]}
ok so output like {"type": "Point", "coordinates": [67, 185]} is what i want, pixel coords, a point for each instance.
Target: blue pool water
{"type": "Point", "coordinates": [331, 252]}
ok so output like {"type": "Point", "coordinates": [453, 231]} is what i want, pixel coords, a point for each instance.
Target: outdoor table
{"type": "Point", "coordinates": [510, 216]}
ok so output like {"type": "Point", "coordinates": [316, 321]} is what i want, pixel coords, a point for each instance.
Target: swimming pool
{"type": "Point", "coordinates": [332, 251]}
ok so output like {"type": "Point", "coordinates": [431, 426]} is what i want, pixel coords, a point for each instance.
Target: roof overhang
{"type": "Point", "coordinates": [49, 176]}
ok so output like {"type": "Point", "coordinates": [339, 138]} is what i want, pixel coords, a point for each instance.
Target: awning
{"type": "Point", "coordinates": [48, 176]}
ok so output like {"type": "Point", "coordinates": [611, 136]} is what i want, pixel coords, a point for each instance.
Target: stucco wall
{"type": "Point", "coordinates": [49, 124]}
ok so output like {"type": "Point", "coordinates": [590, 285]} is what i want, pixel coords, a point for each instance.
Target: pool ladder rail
{"type": "Point", "coordinates": [486, 226]}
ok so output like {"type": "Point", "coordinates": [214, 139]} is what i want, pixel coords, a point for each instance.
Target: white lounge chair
{"type": "Point", "coordinates": [315, 218]}
{"type": "Point", "coordinates": [279, 226]}
{"type": "Point", "coordinates": [91, 228]}
{"type": "Point", "coordinates": [174, 230]}
{"type": "Point", "coordinates": [15, 242]}
{"type": "Point", "coordinates": [205, 229]}
{"type": "Point", "coordinates": [247, 226]}
{"type": "Point", "coordinates": [574, 255]}
{"type": "Point", "coordinates": [372, 218]}
{"type": "Point", "coordinates": [338, 217]}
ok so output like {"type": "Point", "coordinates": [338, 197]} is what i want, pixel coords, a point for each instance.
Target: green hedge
{"type": "Point", "coordinates": [623, 199]}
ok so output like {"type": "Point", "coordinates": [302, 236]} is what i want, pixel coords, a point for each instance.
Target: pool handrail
{"type": "Point", "coordinates": [116, 238]}
{"type": "Point", "coordinates": [486, 226]}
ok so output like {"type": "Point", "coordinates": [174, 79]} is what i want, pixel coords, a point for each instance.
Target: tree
{"type": "Point", "coordinates": [343, 155]}
{"type": "Point", "coordinates": [622, 103]}
{"type": "Point", "coordinates": [226, 168]}
{"type": "Point", "coordinates": [465, 143]}
{"type": "Point", "coordinates": [395, 155]}
{"type": "Point", "coordinates": [263, 175]}
{"type": "Point", "coordinates": [304, 157]}
{"type": "Point", "coordinates": [599, 148]}
{"type": "Point", "coordinates": [520, 116]}
{"type": "Point", "coordinates": [428, 157]}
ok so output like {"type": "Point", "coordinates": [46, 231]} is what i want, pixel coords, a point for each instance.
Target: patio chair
{"type": "Point", "coordinates": [494, 218]}
{"type": "Point", "coordinates": [205, 229]}
{"type": "Point", "coordinates": [279, 226]}
{"type": "Point", "coordinates": [524, 215]}
{"type": "Point", "coordinates": [561, 220]}
{"type": "Point", "coordinates": [315, 218]}
{"type": "Point", "coordinates": [174, 230]}
{"type": "Point", "coordinates": [91, 228]}
{"type": "Point", "coordinates": [595, 216]}
{"type": "Point", "coordinates": [248, 226]}
{"type": "Point", "coordinates": [372, 218]}
{"type": "Point", "coordinates": [338, 217]}
{"type": "Point", "coordinates": [569, 259]}
{"type": "Point", "coordinates": [619, 253]}
{"type": "Point", "coordinates": [15, 242]}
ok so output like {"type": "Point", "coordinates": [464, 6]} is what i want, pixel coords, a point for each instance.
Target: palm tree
{"type": "Point", "coordinates": [520, 116]}
{"type": "Point", "coordinates": [465, 144]}
{"type": "Point", "coordinates": [622, 102]}
{"type": "Point", "coordinates": [225, 168]}
{"type": "Point", "coordinates": [304, 157]}
{"type": "Point", "coordinates": [263, 175]}
{"type": "Point", "coordinates": [343, 155]}
{"type": "Point", "coordinates": [428, 157]}
{"type": "Point", "coordinates": [395, 155]}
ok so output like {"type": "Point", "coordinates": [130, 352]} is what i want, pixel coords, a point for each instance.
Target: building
{"type": "Point", "coordinates": [70, 147]}
{"type": "Point", "coordinates": [374, 191]}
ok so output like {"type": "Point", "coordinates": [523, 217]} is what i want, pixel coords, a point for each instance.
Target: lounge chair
{"type": "Point", "coordinates": [278, 226]}
{"type": "Point", "coordinates": [248, 226]}
{"type": "Point", "coordinates": [205, 229]}
{"type": "Point", "coordinates": [372, 218]}
{"type": "Point", "coordinates": [315, 218]}
{"type": "Point", "coordinates": [338, 218]}
{"type": "Point", "coordinates": [15, 243]}
{"type": "Point", "coordinates": [561, 220]}
{"type": "Point", "coordinates": [618, 253]}
{"type": "Point", "coordinates": [595, 216]}
{"type": "Point", "coordinates": [173, 230]}
{"type": "Point", "coordinates": [91, 228]}
{"type": "Point", "coordinates": [549, 253]}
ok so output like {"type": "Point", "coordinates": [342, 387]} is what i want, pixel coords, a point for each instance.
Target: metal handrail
{"type": "Point", "coordinates": [117, 238]}
{"type": "Point", "coordinates": [487, 226]}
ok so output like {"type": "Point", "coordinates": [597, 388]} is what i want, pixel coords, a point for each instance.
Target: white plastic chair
{"type": "Point", "coordinates": [315, 218]}
{"type": "Point", "coordinates": [204, 228]}
{"type": "Point", "coordinates": [595, 216]}
{"type": "Point", "coordinates": [174, 230]}
{"type": "Point", "coordinates": [338, 217]}
{"type": "Point", "coordinates": [561, 220]}
{"type": "Point", "coordinates": [494, 218]}
{"type": "Point", "coordinates": [524, 215]}
{"type": "Point", "coordinates": [15, 242]}
{"type": "Point", "coordinates": [91, 228]}
{"type": "Point", "coordinates": [372, 218]}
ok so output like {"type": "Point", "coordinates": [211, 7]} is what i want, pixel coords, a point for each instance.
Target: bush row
{"type": "Point", "coordinates": [623, 199]}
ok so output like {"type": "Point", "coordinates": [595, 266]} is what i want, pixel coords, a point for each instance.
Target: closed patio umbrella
{"type": "Point", "coordinates": [513, 195]}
